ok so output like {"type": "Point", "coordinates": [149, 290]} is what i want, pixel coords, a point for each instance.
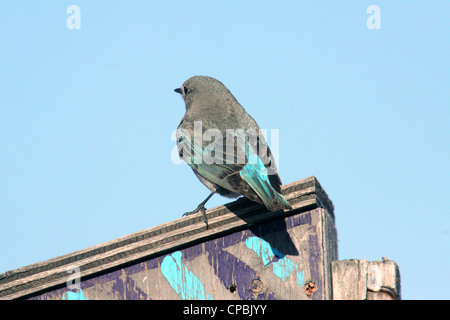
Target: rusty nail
{"type": "Point", "coordinates": [310, 288]}
{"type": "Point", "coordinates": [256, 286]}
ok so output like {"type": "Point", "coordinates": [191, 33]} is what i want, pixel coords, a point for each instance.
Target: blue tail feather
{"type": "Point", "coordinates": [255, 174]}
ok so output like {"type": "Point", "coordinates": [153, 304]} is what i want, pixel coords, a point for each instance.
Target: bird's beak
{"type": "Point", "coordinates": [178, 90]}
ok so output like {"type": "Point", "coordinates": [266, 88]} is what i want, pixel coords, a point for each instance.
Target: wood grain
{"type": "Point", "coordinates": [303, 195]}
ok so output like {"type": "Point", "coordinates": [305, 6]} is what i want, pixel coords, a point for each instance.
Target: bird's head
{"type": "Point", "coordinates": [204, 90]}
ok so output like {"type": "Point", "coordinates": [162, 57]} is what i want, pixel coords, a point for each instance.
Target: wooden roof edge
{"type": "Point", "coordinates": [303, 195]}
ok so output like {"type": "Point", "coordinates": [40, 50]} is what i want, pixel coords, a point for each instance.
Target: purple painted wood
{"type": "Point", "coordinates": [272, 260]}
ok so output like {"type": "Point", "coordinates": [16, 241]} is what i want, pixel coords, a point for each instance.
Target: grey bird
{"type": "Point", "coordinates": [237, 161]}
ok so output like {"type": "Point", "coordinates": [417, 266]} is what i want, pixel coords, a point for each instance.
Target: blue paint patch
{"type": "Point", "coordinates": [183, 281]}
{"type": "Point", "coordinates": [70, 295]}
{"type": "Point", "coordinates": [282, 266]}
{"type": "Point", "coordinates": [300, 278]}
{"type": "Point", "coordinates": [262, 248]}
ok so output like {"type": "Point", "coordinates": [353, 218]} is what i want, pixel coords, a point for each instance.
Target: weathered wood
{"type": "Point", "coordinates": [364, 280]}
{"type": "Point", "coordinates": [300, 245]}
{"type": "Point", "coordinates": [274, 260]}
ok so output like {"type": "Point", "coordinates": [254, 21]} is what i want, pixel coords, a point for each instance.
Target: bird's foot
{"type": "Point", "coordinates": [198, 209]}
{"type": "Point", "coordinates": [201, 208]}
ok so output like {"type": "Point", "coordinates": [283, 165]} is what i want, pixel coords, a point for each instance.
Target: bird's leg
{"type": "Point", "coordinates": [201, 208]}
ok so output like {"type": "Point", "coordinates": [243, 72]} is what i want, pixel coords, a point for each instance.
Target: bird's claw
{"type": "Point", "coordinates": [201, 209]}
{"type": "Point", "coordinates": [198, 209]}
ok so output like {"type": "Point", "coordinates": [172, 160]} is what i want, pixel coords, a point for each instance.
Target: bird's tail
{"type": "Point", "coordinates": [272, 200]}
{"type": "Point", "coordinates": [255, 174]}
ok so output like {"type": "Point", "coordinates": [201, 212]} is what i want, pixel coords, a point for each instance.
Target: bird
{"type": "Point", "coordinates": [224, 146]}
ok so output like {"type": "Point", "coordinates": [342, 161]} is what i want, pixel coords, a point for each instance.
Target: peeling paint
{"type": "Point", "coordinates": [225, 264]}
{"type": "Point", "coordinates": [70, 295]}
{"type": "Point", "coordinates": [184, 282]}
{"type": "Point", "coordinates": [282, 266]}
{"type": "Point", "coordinates": [300, 278]}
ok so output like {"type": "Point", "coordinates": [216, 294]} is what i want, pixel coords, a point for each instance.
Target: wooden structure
{"type": "Point", "coordinates": [246, 253]}
{"type": "Point", "coordinates": [363, 280]}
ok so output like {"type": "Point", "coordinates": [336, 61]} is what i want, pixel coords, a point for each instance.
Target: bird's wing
{"type": "Point", "coordinates": [214, 160]}
{"type": "Point", "coordinates": [237, 161]}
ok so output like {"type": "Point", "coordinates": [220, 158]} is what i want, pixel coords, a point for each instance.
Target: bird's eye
{"type": "Point", "coordinates": [186, 90]}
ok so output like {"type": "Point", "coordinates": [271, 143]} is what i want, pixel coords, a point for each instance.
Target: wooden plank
{"type": "Point", "coordinates": [363, 280]}
{"type": "Point", "coordinates": [383, 280]}
{"type": "Point", "coordinates": [303, 195]}
{"type": "Point", "coordinates": [278, 259]}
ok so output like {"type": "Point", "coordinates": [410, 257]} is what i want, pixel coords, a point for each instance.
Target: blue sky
{"type": "Point", "coordinates": [86, 118]}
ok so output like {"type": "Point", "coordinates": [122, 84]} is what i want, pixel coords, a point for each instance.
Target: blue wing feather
{"type": "Point", "coordinates": [255, 174]}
